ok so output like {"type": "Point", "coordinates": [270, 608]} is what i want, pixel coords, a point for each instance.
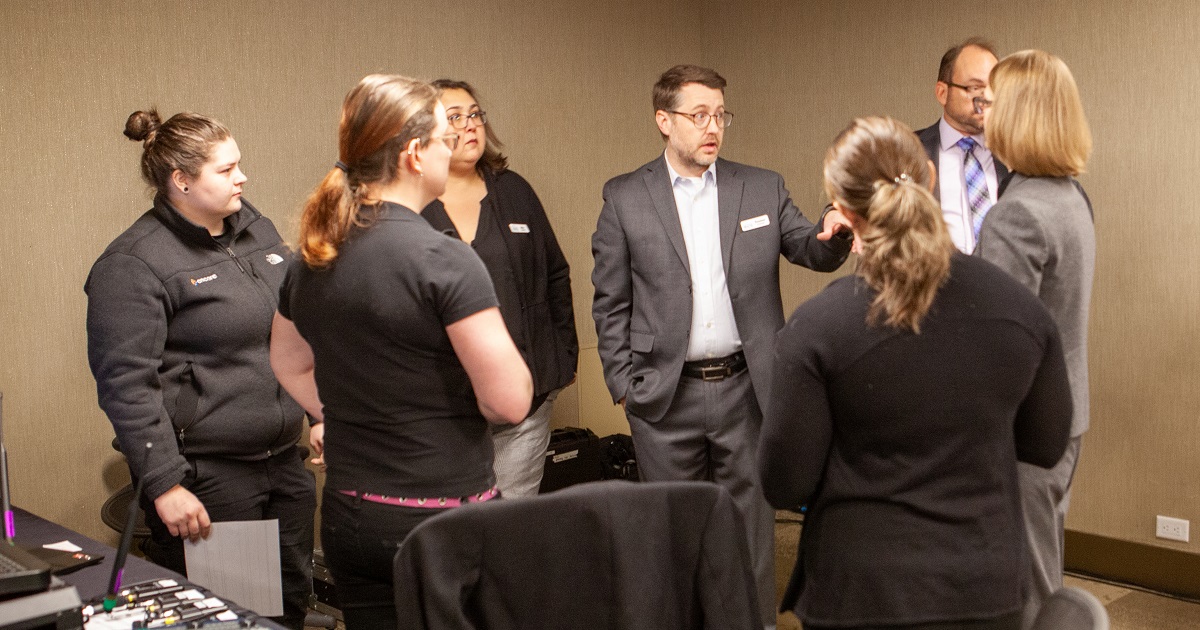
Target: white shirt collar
{"type": "Point", "coordinates": [950, 136]}
{"type": "Point", "coordinates": [709, 175]}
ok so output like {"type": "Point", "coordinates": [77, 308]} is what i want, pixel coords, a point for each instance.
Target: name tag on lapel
{"type": "Point", "coordinates": [761, 220]}
{"type": "Point", "coordinates": [518, 228]}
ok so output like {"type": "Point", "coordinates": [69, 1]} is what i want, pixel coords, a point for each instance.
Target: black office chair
{"type": "Point", "coordinates": [611, 555]}
{"type": "Point", "coordinates": [1071, 608]}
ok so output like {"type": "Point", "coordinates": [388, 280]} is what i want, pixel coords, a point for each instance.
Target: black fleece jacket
{"type": "Point", "coordinates": [178, 329]}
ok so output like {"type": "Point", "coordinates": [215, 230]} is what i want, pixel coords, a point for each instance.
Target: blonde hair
{"type": "Point", "coordinates": [380, 117]}
{"type": "Point", "coordinates": [878, 170]}
{"type": "Point", "coordinates": [1037, 126]}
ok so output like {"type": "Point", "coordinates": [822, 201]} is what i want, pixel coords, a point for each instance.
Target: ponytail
{"type": "Point", "coordinates": [380, 117]}
{"type": "Point", "coordinates": [878, 170]}
{"type": "Point", "coordinates": [906, 252]}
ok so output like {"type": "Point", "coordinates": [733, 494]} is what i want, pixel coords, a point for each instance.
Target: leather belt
{"type": "Point", "coordinates": [715, 369]}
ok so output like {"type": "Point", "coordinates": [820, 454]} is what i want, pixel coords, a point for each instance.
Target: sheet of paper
{"type": "Point", "coordinates": [64, 545]}
{"type": "Point", "coordinates": [239, 561]}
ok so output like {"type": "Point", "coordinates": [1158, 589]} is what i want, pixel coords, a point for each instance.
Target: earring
{"type": "Point", "coordinates": [185, 189]}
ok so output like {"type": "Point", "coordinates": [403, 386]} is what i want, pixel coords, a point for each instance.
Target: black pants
{"type": "Point", "coordinates": [360, 540]}
{"type": "Point", "coordinates": [278, 487]}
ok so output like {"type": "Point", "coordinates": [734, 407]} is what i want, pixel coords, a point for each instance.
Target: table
{"type": "Point", "coordinates": [92, 582]}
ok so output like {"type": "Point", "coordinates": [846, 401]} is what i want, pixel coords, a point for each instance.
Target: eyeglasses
{"type": "Point", "coordinates": [980, 104]}
{"type": "Point", "coordinates": [450, 139]}
{"type": "Point", "coordinates": [459, 121]}
{"type": "Point", "coordinates": [973, 90]}
{"type": "Point", "coordinates": [724, 119]}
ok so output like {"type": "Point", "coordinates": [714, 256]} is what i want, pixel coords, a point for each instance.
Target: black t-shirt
{"type": "Point", "coordinates": [401, 417]}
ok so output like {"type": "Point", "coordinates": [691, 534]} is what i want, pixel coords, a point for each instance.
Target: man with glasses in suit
{"type": "Point", "coordinates": [687, 301]}
{"type": "Point", "coordinates": [968, 177]}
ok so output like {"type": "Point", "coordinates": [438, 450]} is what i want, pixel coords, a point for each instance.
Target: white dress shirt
{"type": "Point", "coordinates": [955, 208]}
{"type": "Point", "coordinates": [714, 332]}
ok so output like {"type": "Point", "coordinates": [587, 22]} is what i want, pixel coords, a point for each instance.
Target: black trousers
{"type": "Point", "coordinates": [1007, 622]}
{"type": "Point", "coordinates": [279, 487]}
{"type": "Point", "coordinates": [360, 540]}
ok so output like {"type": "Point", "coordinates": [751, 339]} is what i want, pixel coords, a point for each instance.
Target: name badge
{"type": "Point", "coordinates": [755, 223]}
{"type": "Point", "coordinates": [518, 228]}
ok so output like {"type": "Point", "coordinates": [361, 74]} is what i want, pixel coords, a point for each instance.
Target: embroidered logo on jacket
{"type": "Point", "coordinates": [199, 281]}
{"type": "Point", "coordinates": [274, 259]}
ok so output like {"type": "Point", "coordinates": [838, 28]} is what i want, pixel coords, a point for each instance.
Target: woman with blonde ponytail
{"type": "Point", "coordinates": [902, 398]}
{"type": "Point", "coordinates": [389, 335]}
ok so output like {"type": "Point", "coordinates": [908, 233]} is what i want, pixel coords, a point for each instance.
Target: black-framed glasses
{"type": "Point", "coordinates": [459, 121]}
{"type": "Point", "coordinates": [450, 139]}
{"type": "Point", "coordinates": [980, 104]}
{"type": "Point", "coordinates": [724, 119]}
{"type": "Point", "coordinates": [973, 90]}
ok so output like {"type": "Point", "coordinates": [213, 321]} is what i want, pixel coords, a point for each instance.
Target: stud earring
{"type": "Point", "coordinates": [185, 189]}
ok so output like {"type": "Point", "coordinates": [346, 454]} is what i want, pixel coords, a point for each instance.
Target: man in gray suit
{"type": "Point", "coordinates": [956, 145]}
{"type": "Point", "coordinates": [687, 301]}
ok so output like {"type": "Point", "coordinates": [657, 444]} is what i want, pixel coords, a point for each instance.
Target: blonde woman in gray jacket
{"type": "Point", "coordinates": [1041, 232]}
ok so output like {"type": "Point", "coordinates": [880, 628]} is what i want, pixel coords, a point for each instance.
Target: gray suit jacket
{"type": "Point", "coordinates": [1041, 232]}
{"type": "Point", "coordinates": [931, 139]}
{"type": "Point", "coordinates": [643, 300]}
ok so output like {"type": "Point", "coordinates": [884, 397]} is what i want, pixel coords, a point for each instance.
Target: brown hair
{"type": "Point", "coordinates": [183, 143]}
{"type": "Point", "coordinates": [878, 170]}
{"type": "Point", "coordinates": [666, 91]}
{"type": "Point", "coordinates": [1037, 126]}
{"type": "Point", "coordinates": [946, 67]}
{"type": "Point", "coordinates": [380, 117]}
{"type": "Point", "coordinates": [492, 161]}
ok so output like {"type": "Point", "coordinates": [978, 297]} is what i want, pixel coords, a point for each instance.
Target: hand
{"type": "Point", "coordinates": [183, 514]}
{"type": "Point", "coordinates": [835, 222]}
{"type": "Point", "coordinates": [316, 441]}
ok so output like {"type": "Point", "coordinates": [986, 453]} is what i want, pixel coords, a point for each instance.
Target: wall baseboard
{"type": "Point", "coordinates": [1158, 568]}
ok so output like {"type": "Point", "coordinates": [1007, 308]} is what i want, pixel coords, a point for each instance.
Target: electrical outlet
{"type": "Point", "coordinates": [1172, 528]}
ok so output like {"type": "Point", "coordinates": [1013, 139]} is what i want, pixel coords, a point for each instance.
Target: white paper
{"type": "Point", "coordinates": [64, 545]}
{"type": "Point", "coordinates": [239, 561]}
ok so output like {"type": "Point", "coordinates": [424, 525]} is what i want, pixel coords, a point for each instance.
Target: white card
{"type": "Point", "coordinates": [518, 228]}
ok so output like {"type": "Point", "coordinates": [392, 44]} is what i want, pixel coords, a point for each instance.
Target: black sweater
{"type": "Point", "coordinates": [904, 448]}
{"type": "Point", "coordinates": [531, 277]}
{"type": "Point", "coordinates": [178, 328]}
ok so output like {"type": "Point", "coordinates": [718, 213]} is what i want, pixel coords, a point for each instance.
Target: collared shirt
{"type": "Point", "coordinates": [714, 331]}
{"type": "Point", "coordinates": [953, 184]}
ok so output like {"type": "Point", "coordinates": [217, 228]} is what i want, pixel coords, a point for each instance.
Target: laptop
{"type": "Point", "coordinates": [20, 571]}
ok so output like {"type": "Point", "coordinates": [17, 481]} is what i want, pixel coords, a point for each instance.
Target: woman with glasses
{"type": "Point", "coordinates": [1040, 231]}
{"type": "Point", "coordinates": [903, 397]}
{"type": "Point", "coordinates": [388, 334]}
{"type": "Point", "coordinates": [496, 211]}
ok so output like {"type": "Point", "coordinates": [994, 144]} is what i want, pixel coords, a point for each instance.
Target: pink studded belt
{"type": "Point", "coordinates": [437, 502]}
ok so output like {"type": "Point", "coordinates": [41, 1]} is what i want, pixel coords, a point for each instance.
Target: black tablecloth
{"type": "Point", "coordinates": [92, 582]}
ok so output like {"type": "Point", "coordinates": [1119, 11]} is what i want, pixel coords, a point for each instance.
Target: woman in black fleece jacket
{"type": "Point", "coordinates": [179, 316]}
{"type": "Point", "coordinates": [902, 398]}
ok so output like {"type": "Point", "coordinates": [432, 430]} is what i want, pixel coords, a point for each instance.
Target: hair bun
{"type": "Point", "coordinates": [142, 125]}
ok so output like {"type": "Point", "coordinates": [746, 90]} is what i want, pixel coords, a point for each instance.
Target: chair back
{"type": "Point", "coordinates": [1071, 608]}
{"type": "Point", "coordinates": [612, 555]}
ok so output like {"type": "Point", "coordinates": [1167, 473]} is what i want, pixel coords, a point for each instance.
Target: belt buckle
{"type": "Point", "coordinates": [714, 373]}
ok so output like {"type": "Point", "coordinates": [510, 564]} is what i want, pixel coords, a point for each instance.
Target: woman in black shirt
{"type": "Point", "coordinates": [902, 398]}
{"type": "Point", "coordinates": [497, 212]}
{"type": "Point", "coordinates": [388, 334]}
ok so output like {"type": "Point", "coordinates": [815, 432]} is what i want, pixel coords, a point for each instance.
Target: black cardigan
{"type": "Point", "coordinates": [536, 305]}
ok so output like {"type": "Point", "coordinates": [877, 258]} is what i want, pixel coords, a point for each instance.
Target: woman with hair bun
{"type": "Point", "coordinates": [178, 321]}
{"type": "Point", "coordinates": [902, 398]}
{"type": "Point", "coordinates": [388, 333]}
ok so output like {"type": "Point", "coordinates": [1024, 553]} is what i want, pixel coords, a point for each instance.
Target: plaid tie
{"type": "Point", "coordinates": [977, 191]}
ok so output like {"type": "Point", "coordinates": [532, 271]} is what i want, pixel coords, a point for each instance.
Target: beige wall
{"type": "Point", "coordinates": [567, 85]}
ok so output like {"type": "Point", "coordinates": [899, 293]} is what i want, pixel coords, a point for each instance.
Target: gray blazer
{"type": "Point", "coordinates": [1040, 231]}
{"type": "Point", "coordinates": [643, 300]}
